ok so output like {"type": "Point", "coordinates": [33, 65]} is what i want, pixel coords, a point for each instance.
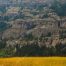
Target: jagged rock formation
{"type": "Point", "coordinates": [24, 17]}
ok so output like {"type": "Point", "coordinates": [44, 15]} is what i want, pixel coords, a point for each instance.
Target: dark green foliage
{"type": "Point", "coordinates": [35, 50]}
{"type": "Point", "coordinates": [49, 34]}
{"type": "Point", "coordinates": [32, 50]}
{"type": "Point", "coordinates": [29, 50]}
{"type": "Point", "coordinates": [63, 34]}
{"type": "Point", "coordinates": [45, 16]}
{"type": "Point", "coordinates": [40, 7]}
{"type": "Point", "coordinates": [3, 26]}
{"type": "Point", "coordinates": [34, 13]}
{"type": "Point", "coordinates": [59, 8]}
{"type": "Point", "coordinates": [29, 37]}
{"type": "Point", "coordinates": [10, 51]}
{"type": "Point", "coordinates": [2, 44]}
{"type": "Point", "coordinates": [2, 9]}
{"type": "Point", "coordinates": [61, 49]}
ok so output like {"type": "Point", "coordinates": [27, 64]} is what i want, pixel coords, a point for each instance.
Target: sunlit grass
{"type": "Point", "coordinates": [35, 61]}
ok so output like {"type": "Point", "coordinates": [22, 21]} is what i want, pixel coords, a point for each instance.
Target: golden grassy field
{"type": "Point", "coordinates": [35, 61]}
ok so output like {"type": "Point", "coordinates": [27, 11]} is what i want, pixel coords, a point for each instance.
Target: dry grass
{"type": "Point", "coordinates": [35, 61]}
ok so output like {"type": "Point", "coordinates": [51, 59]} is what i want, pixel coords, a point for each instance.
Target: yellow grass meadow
{"type": "Point", "coordinates": [33, 61]}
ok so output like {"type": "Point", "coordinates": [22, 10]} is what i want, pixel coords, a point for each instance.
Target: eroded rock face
{"type": "Point", "coordinates": [36, 18]}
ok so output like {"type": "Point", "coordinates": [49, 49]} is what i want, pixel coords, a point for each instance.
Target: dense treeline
{"type": "Point", "coordinates": [32, 50]}
{"type": "Point", "coordinates": [35, 50]}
